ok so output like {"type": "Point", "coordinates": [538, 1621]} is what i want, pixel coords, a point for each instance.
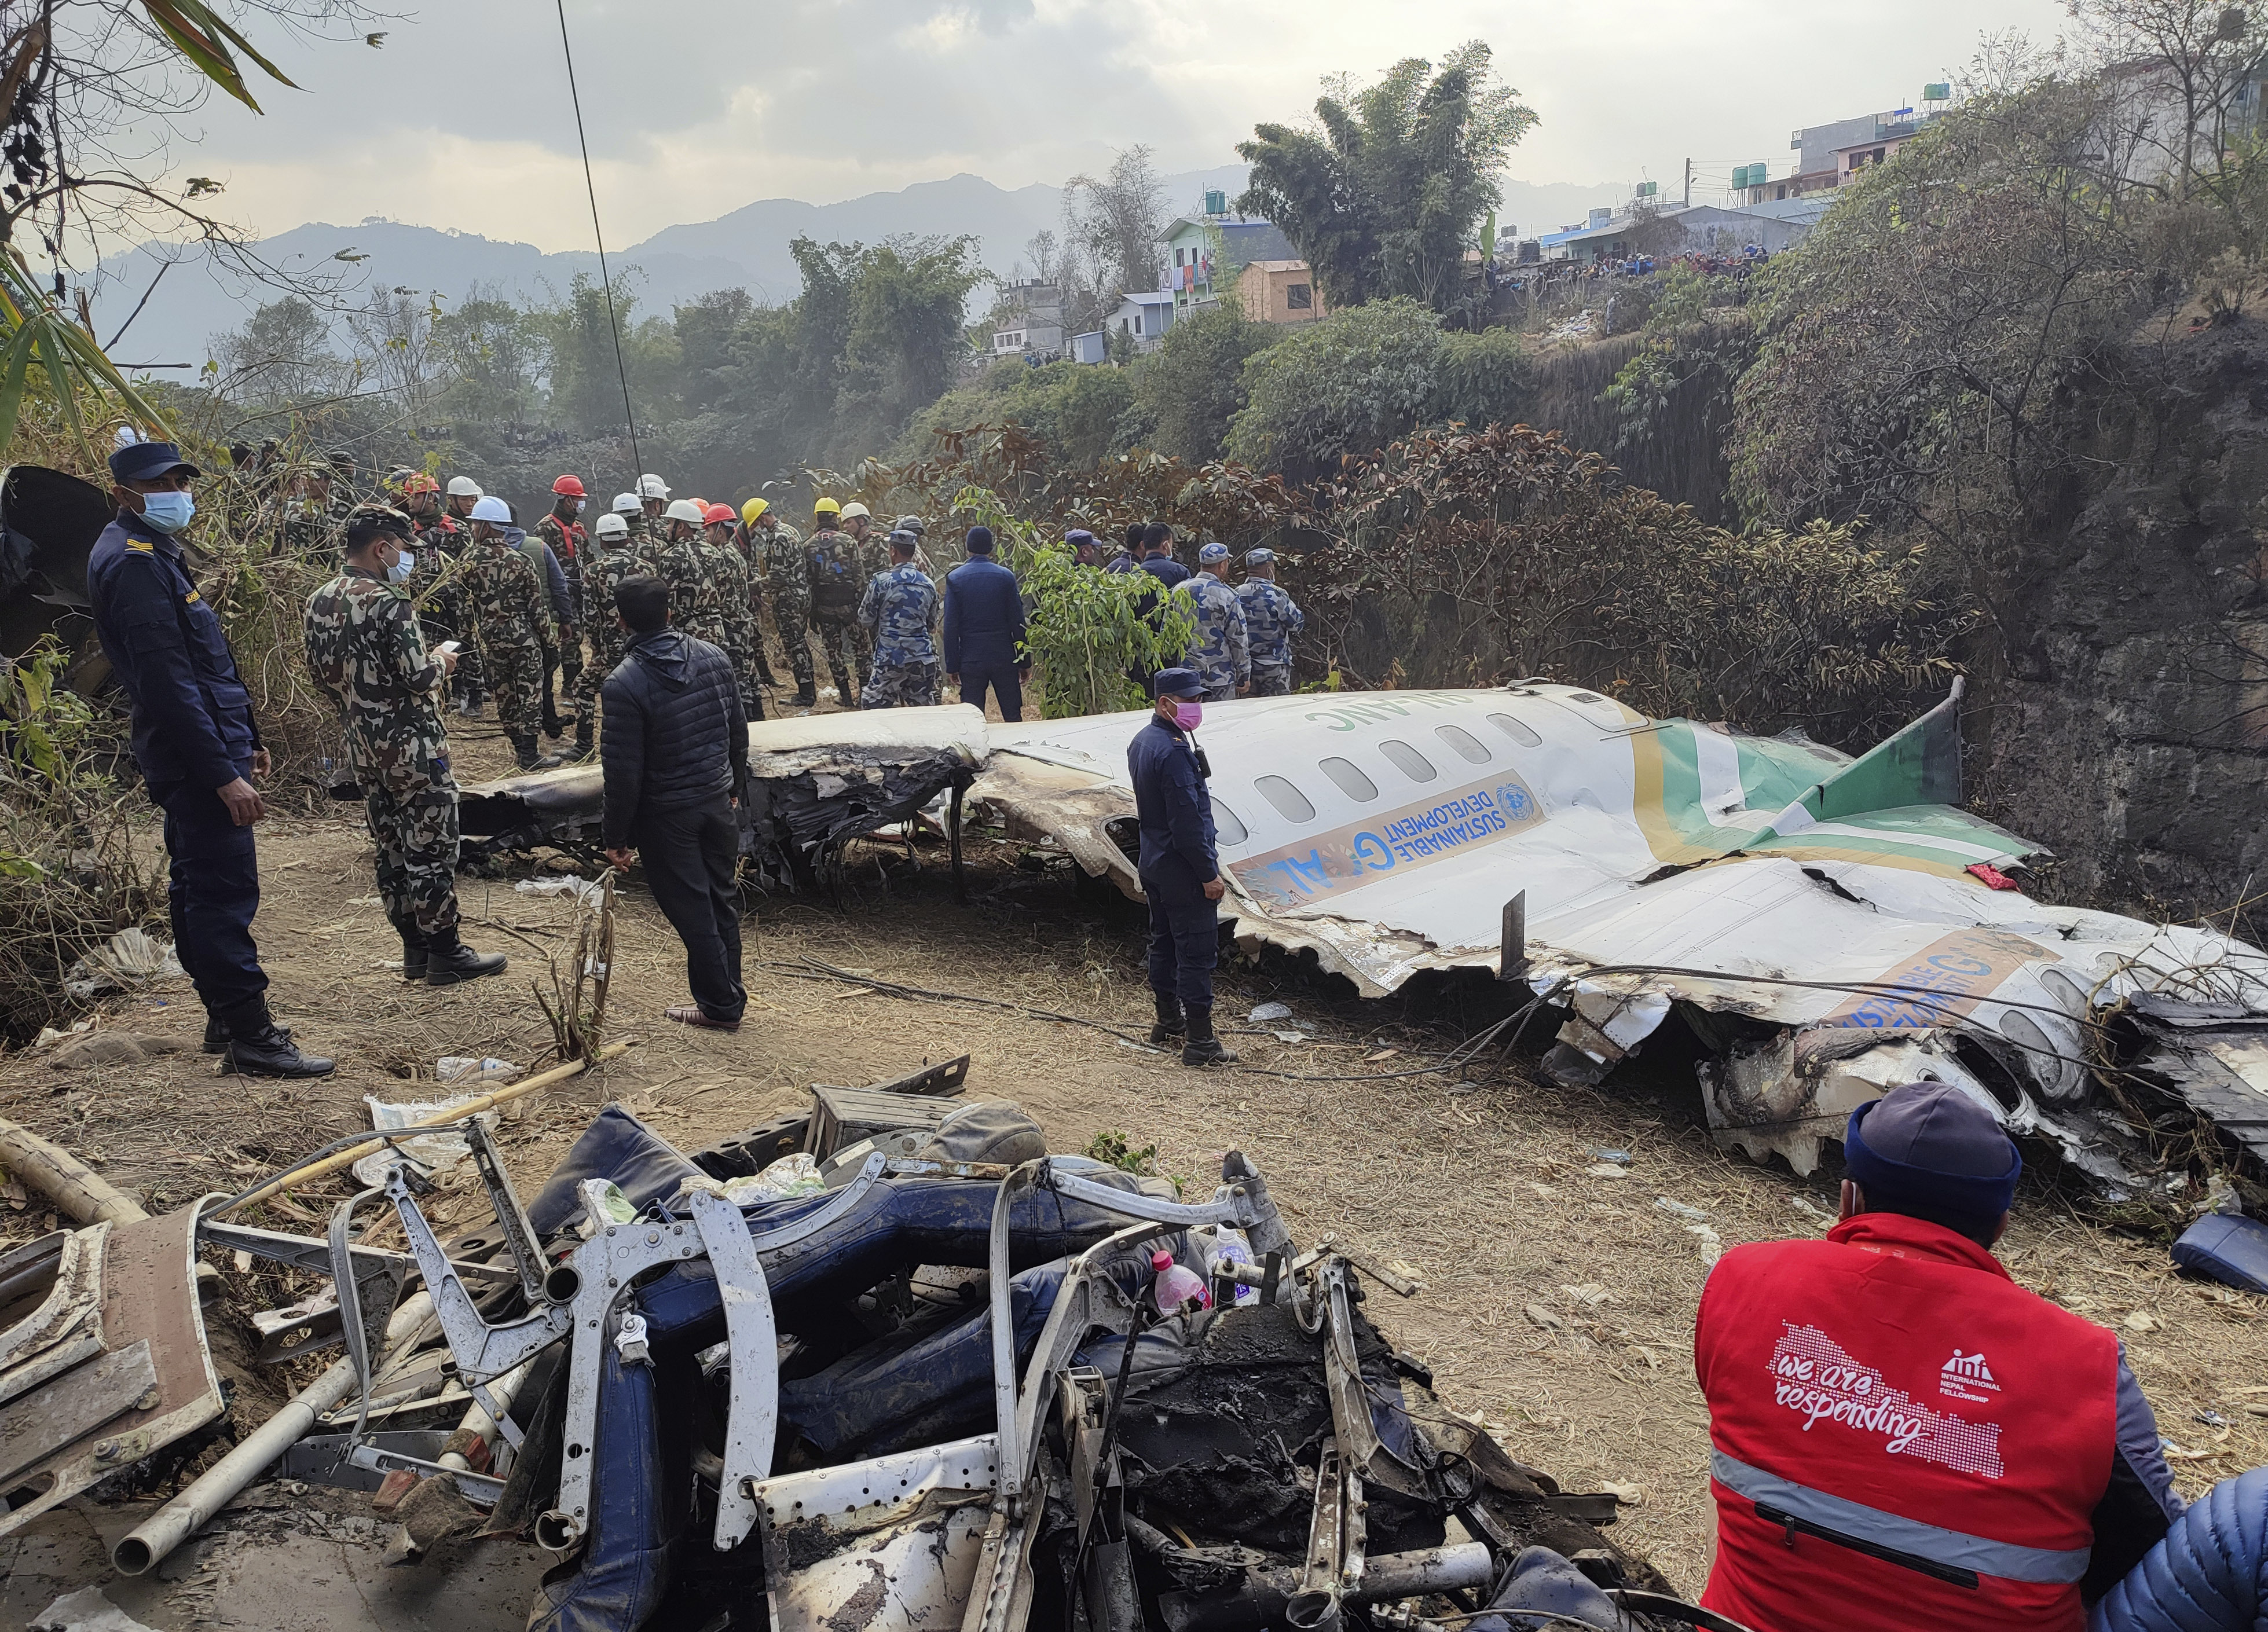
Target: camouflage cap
{"type": "Point", "coordinates": [365, 522]}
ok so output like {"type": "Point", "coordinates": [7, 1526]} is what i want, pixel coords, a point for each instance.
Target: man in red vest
{"type": "Point", "coordinates": [1900, 1436]}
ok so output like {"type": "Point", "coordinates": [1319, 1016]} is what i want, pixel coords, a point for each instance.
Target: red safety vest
{"type": "Point", "coordinates": [1900, 1436]}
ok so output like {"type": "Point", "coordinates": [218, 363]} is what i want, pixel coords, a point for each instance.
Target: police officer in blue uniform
{"type": "Point", "coordinates": [984, 628]}
{"type": "Point", "coordinates": [1180, 871]}
{"type": "Point", "coordinates": [194, 739]}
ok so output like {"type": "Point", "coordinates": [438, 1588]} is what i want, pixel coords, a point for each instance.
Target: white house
{"type": "Point", "coordinates": [1145, 318]}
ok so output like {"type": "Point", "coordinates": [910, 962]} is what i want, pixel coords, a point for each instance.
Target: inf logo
{"type": "Point", "coordinates": [1963, 1375]}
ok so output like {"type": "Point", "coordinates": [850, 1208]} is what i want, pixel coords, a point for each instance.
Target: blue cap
{"type": "Point", "coordinates": [143, 462]}
{"type": "Point", "coordinates": [979, 541]}
{"type": "Point", "coordinates": [1929, 1151]}
{"type": "Point", "coordinates": [1259, 557]}
{"type": "Point", "coordinates": [1177, 683]}
{"type": "Point", "coordinates": [1212, 554]}
{"type": "Point", "coordinates": [1078, 536]}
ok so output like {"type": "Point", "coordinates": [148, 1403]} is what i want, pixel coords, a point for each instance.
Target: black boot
{"type": "Point", "coordinates": [1203, 1047]}
{"type": "Point", "coordinates": [448, 960]}
{"type": "Point", "coordinates": [413, 952]}
{"type": "Point", "coordinates": [523, 749]}
{"type": "Point", "coordinates": [1171, 1027]}
{"type": "Point", "coordinates": [257, 1047]}
{"type": "Point", "coordinates": [807, 695]}
{"type": "Point", "coordinates": [585, 750]}
{"type": "Point", "coordinates": [215, 1034]}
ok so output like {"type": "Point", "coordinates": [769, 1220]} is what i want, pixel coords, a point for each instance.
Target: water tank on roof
{"type": "Point", "coordinates": [1600, 218]}
{"type": "Point", "coordinates": [1758, 174]}
{"type": "Point", "coordinates": [1216, 202]}
{"type": "Point", "coordinates": [1937, 93]}
{"type": "Point", "coordinates": [1740, 177]}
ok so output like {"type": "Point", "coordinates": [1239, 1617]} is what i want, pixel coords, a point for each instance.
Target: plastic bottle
{"type": "Point", "coordinates": [1175, 1286]}
{"type": "Point", "coordinates": [1229, 1246]}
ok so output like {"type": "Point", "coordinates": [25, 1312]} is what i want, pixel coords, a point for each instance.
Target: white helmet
{"type": "Point", "coordinates": [683, 509]}
{"type": "Point", "coordinates": [464, 486]}
{"type": "Point", "coordinates": [613, 526]}
{"type": "Point", "coordinates": [854, 508]}
{"type": "Point", "coordinates": [627, 505]}
{"type": "Point", "coordinates": [492, 509]}
{"type": "Point", "coordinates": [652, 487]}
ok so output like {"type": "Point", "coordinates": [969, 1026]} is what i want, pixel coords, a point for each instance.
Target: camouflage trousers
{"type": "Point", "coordinates": [515, 680]}
{"type": "Point", "coordinates": [588, 677]}
{"type": "Point", "coordinates": [1217, 690]}
{"type": "Point", "coordinates": [840, 641]}
{"type": "Point", "coordinates": [900, 685]}
{"type": "Point", "coordinates": [413, 821]}
{"type": "Point", "coordinates": [571, 665]}
{"type": "Point", "coordinates": [793, 618]}
{"type": "Point", "coordinates": [1272, 679]}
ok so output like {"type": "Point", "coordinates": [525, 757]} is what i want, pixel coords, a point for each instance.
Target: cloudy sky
{"type": "Point", "coordinates": [696, 107]}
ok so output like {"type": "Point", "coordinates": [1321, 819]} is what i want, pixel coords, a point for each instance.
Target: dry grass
{"type": "Point", "coordinates": [1488, 1192]}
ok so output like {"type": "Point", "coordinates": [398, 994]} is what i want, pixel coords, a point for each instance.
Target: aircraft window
{"type": "Point", "coordinates": [1285, 797]}
{"type": "Point", "coordinates": [1584, 696]}
{"type": "Point", "coordinates": [1408, 760]}
{"type": "Point", "coordinates": [1464, 742]}
{"type": "Point", "coordinates": [2067, 990]}
{"type": "Point", "coordinates": [1225, 829]}
{"type": "Point", "coordinates": [1351, 780]}
{"type": "Point", "coordinates": [1514, 729]}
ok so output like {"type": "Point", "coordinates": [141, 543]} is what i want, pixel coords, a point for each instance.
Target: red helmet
{"type": "Point", "coordinates": [569, 487]}
{"type": "Point", "coordinates": [716, 513]}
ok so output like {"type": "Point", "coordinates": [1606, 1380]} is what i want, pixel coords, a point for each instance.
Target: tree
{"type": "Point", "coordinates": [1189, 390]}
{"type": "Point", "coordinates": [705, 330]}
{"type": "Point", "coordinates": [594, 348]}
{"type": "Point", "coordinates": [396, 349]}
{"type": "Point", "coordinates": [2179, 71]}
{"type": "Point", "coordinates": [1383, 196]}
{"type": "Point", "coordinates": [282, 355]}
{"type": "Point", "coordinates": [494, 355]}
{"type": "Point", "coordinates": [1116, 222]}
{"type": "Point", "coordinates": [903, 339]}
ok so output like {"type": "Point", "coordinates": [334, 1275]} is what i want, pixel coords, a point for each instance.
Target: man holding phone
{"type": "Point", "coordinates": [365, 646]}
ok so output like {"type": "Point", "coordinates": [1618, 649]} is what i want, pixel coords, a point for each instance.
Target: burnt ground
{"type": "Point", "coordinates": [1558, 1297]}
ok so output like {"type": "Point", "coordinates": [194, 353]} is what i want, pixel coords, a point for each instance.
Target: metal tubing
{"type": "Point", "coordinates": [138, 1552]}
{"type": "Point", "coordinates": [1418, 1574]}
{"type": "Point", "coordinates": [480, 1420]}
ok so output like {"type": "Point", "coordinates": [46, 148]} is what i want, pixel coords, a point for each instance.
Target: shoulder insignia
{"type": "Point", "coordinates": [137, 545]}
{"type": "Point", "coordinates": [191, 598]}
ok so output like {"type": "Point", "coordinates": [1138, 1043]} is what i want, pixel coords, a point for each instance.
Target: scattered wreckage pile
{"type": "Point", "coordinates": [886, 1364]}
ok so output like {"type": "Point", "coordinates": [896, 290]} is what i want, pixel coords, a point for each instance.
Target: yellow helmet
{"type": "Point", "coordinates": [752, 509]}
{"type": "Point", "coordinates": [827, 507]}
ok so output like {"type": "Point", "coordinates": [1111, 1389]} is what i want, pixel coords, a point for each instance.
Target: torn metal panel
{"type": "Point", "coordinates": [1661, 861]}
{"type": "Point", "coordinates": [813, 784]}
{"type": "Point", "coordinates": [106, 1361]}
{"type": "Point", "coordinates": [2215, 1056]}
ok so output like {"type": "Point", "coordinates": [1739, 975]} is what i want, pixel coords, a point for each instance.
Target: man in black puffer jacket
{"type": "Point", "coordinates": [675, 751]}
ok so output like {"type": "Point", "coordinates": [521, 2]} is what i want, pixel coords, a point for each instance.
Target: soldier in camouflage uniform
{"type": "Point", "coordinates": [470, 682]}
{"type": "Point", "coordinates": [873, 555]}
{"type": "Point", "coordinates": [681, 562]}
{"type": "Point", "coordinates": [610, 562]}
{"type": "Point", "coordinates": [750, 543]}
{"type": "Point", "coordinates": [570, 544]}
{"type": "Point", "coordinates": [515, 615]}
{"type": "Point", "coordinates": [1222, 655]}
{"type": "Point", "coordinates": [1270, 619]}
{"type": "Point", "coordinates": [901, 611]}
{"type": "Point", "coordinates": [787, 570]}
{"type": "Point", "coordinates": [728, 569]}
{"type": "Point", "coordinates": [307, 523]}
{"type": "Point", "coordinates": [837, 584]}
{"type": "Point", "coordinates": [364, 643]}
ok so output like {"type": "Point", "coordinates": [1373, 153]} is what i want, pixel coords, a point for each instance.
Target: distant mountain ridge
{"type": "Point", "coordinates": [196, 298]}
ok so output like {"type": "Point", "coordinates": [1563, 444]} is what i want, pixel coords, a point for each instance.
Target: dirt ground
{"type": "Point", "coordinates": [1559, 1289]}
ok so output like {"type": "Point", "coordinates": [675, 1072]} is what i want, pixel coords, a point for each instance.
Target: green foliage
{"type": "Point", "coordinates": [1387, 196]}
{"type": "Point", "coordinates": [1112, 1145]}
{"type": "Point", "coordinates": [1076, 409]}
{"type": "Point", "coordinates": [46, 355]}
{"type": "Point", "coordinates": [586, 381]}
{"type": "Point", "coordinates": [1354, 382]}
{"type": "Point", "coordinates": [1087, 628]}
{"type": "Point", "coordinates": [69, 872]}
{"type": "Point", "coordinates": [1187, 391]}
{"type": "Point", "coordinates": [1475, 558]}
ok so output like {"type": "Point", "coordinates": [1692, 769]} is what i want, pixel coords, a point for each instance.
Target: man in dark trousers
{"type": "Point", "coordinates": [1180, 873]}
{"type": "Point", "coordinates": [1899, 1435]}
{"type": "Point", "coordinates": [984, 630]}
{"type": "Point", "coordinates": [197, 747]}
{"type": "Point", "coordinates": [675, 752]}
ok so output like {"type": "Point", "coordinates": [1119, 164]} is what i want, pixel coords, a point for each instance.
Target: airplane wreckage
{"type": "Point", "coordinates": [1828, 926]}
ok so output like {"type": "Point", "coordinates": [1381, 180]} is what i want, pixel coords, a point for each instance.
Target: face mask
{"type": "Point", "coordinates": [402, 567]}
{"type": "Point", "coordinates": [168, 511]}
{"type": "Point", "coordinates": [1187, 715]}
{"type": "Point", "coordinates": [578, 508]}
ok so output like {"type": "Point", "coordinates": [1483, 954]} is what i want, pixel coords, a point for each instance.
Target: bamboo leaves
{"type": "Point", "coordinates": [35, 330]}
{"type": "Point", "coordinates": [203, 36]}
